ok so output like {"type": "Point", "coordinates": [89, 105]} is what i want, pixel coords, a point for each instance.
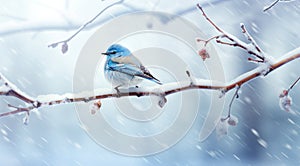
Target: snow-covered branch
{"type": "Point", "coordinates": [9, 89]}
{"type": "Point", "coordinates": [266, 65]}
{"type": "Point", "coordinates": [252, 48]}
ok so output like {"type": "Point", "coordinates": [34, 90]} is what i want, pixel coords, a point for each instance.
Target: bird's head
{"type": "Point", "coordinates": [116, 50]}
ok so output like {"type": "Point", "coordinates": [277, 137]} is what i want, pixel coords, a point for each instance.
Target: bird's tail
{"type": "Point", "coordinates": [156, 80]}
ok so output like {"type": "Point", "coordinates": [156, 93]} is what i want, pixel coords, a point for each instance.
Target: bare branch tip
{"type": "Point", "coordinates": [53, 45]}
{"type": "Point", "coordinates": [188, 73]}
{"type": "Point", "coordinates": [243, 28]}
{"type": "Point", "coordinates": [201, 9]}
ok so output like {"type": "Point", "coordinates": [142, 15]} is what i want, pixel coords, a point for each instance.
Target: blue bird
{"type": "Point", "coordinates": [124, 69]}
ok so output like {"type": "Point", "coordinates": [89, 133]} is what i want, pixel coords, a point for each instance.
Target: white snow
{"type": "Point", "coordinates": [291, 121]}
{"type": "Point", "coordinates": [236, 157]}
{"type": "Point", "coordinates": [247, 100]}
{"type": "Point", "coordinates": [3, 132]}
{"type": "Point", "coordinates": [13, 87]}
{"type": "Point", "coordinates": [255, 132]}
{"type": "Point", "coordinates": [288, 146]}
{"type": "Point", "coordinates": [262, 142]}
{"type": "Point", "coordinates": [4, 88]}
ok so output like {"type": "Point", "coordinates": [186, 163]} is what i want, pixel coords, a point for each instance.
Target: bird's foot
{"type": "Point", "coordinates": [118, 92]}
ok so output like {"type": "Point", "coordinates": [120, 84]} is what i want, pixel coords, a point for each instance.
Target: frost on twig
{"type": "Point", "coordinates": [266, 8]}
{"type": "Point", "coordinates": [9, 89]}
{"type": "Point", "coordinates": [223, 125]}
{"type": "Point", "coordinates": [229, 120]}
{"type": "Point", "coordinates": [159, 97]}
{"type": "Point", "coordinates": [22, 109]}
{"type": "Point", "coordinates": [64, 47]}
{"type": "Point", "coordinates": [252, 48]}
{"type": "Point", "coordinates": [95, 107]}
{"type": "Point", "coordinates": [235, 96]}
{"type": "Point", "coordinates": [26, 118]}
{"type": "Point", "coordinates": [222, 92]}
{"type": "Point", "coordinates": [285, 100]}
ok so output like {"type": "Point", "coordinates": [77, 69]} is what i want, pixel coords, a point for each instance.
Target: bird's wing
{"type": "Point", "coordinates": [147, 72]}
{"type": "Point", "coordinates": [132, 66]}
{"type": "Point", "coordinates": [127, 60]}
{"type": "Point", "coordinates": [126, 69]}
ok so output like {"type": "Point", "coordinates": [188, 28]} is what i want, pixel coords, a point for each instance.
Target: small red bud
{"type": "Point", "coordinates": [204, 54]}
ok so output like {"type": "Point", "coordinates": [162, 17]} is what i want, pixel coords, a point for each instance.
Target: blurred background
{"type": "Point", "coordinates": [264, 134]}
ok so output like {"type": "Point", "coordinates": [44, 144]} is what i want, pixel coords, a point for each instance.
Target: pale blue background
{"type": "Point", "coordinates": [54, 137]}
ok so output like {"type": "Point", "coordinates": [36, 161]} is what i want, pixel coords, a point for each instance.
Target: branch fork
{"type": "Point", "coordinates": [252, 48]}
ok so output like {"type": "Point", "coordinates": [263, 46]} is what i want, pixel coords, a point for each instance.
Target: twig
{"type": "Point", "coordinates": [274, 3]}
{"type": "Point", "coordinates": [12, 90]}
{"type": "Point", "coordinates": [29, 25]}
{"type": "Point", "coordinates": [236, 95]}
{"type": "Point", "coordinates": [53, 45]}
{"type": "Point", "coordinates": [257, 52]}
{"type": "Point", "coordinates": [209, 20]}
{"type": "Point", "coordinates": [291, 87]}
{"type": "Point", "coordinates": [168, 89]}
{"type": "Point", "coordinates": [271, 5]}
{"type": "Point", "coordinates": [250, 38]}
{"type": "Point", "coordinates": [208, 40]}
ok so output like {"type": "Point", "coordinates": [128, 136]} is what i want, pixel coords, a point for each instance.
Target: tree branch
{"type": "Point", "coordinates": [251, 48]}
{"type": "Point", "coordinates": [65, 42]}
{"type": "Point", "coordinates": [291, 87]}
{"type": "Point", "coordinates": [236, 95]}
{"type": "Point", "coordinates": [271, 5]}
{"type": "Point", "coordinates": [9, 89]}
{"type": "Point", "coordinates": [266, 8]}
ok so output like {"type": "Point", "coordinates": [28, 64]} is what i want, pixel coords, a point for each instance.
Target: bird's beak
{"type": "Point", "coordinates": [105, 53]}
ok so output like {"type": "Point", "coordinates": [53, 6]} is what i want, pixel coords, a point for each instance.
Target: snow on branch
{"type": "Point", "coordinates": [9, 89]}
{"type": "Point", "coordinates": [266, 65]}
{"type": "Point", "coordinates": [266, 8]}
{"type": "Point", "coordinates": [252, 48]}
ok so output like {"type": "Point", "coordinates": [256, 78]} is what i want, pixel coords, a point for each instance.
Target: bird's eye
{"type": "Point", "coordinates": [113, 52]}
